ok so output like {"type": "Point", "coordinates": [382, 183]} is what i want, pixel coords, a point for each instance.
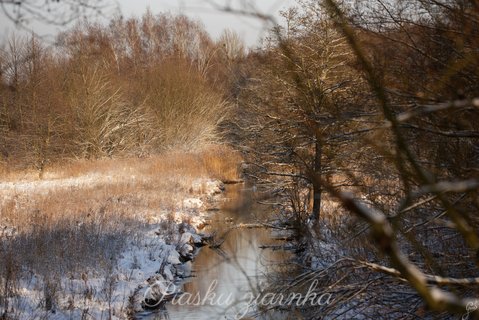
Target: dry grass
{"type": "Point", "coordinates": [80, 217]}
{"type": "Point", "coordinates": [222, 163]}
{"type": "Point", "coordinates": [214, 161]}
{"type": "Point", "coordinates": [90, 190]}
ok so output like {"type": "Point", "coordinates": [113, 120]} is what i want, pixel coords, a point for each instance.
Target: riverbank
{"type": "Point", "coordinates": [241, 262]}
{"type": "Point", "coordinates": [81, 241]}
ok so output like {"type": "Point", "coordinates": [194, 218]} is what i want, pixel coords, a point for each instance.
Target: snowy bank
{"type": "Point", "coordinates": [158, 248]}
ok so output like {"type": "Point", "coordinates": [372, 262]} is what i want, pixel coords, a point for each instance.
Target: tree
{"type": "Point", "coordinates": [296, 103]}
{"type": "Point", "coordinates": [53, 12]}
{"type": "Point", "coordinates": [419, 59]}
{"type": "Point", "coordinates": [133, 87]}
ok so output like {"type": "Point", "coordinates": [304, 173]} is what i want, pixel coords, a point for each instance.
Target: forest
{"type": "Point", "coordinates": [358, 119]}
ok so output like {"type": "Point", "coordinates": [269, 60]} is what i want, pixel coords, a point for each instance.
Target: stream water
{"type": "Point", "coordinates": [226, 279]}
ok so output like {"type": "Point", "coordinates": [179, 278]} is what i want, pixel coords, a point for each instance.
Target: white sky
{"type": "Point", "coordinates": [215, 21]}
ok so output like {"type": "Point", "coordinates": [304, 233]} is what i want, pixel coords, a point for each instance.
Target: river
{"type": "Point", "coordinates": [226, 279]}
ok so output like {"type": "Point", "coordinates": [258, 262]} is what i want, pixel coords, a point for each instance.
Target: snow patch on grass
{"type": "Point", "coordinates": [153, 219]}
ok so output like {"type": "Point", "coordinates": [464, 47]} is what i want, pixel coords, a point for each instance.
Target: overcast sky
{"type": "Point", "coordinates": [215, 21]}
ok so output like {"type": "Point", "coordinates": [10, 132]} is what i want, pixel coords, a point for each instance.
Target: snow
{"type": "Point", "coordinates": [152, 258]}
{"type": "Point", "coordinates": [147, 263]}
{"type": "Point", "coordinates": [50, 184]}
{"type": "Point", "coordinates": [192, 203]}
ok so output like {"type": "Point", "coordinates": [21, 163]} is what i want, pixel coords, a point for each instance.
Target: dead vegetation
{"type": "Point", "coordinates": [77, 220]}
{"type": "Point", "coordinates": [119, 91]}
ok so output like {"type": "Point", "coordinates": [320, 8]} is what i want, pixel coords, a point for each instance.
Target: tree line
{"type": "Point", "coordinates": [132, 88]}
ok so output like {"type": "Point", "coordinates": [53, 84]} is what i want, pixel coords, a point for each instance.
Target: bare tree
{"type": "Point", "coordinates": [421, 100]}
{"type": "Point", "coordinates": [61, 12]}
{"type": "Point", "coordinates": [296, 103]}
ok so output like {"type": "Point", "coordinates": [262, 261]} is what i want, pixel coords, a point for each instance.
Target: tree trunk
{"type": "Point", "coordinates": [316, 186]}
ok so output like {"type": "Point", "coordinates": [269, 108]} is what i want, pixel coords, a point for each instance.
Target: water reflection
{"type": "Point", "coordinates": [226, 279]}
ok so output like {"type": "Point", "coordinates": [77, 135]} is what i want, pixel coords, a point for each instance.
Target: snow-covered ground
{"type": "Point", "coordinates": [159, 252]}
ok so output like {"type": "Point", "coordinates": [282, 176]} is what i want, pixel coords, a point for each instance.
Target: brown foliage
{"type": "Point", "coordinates": [135, 87]}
